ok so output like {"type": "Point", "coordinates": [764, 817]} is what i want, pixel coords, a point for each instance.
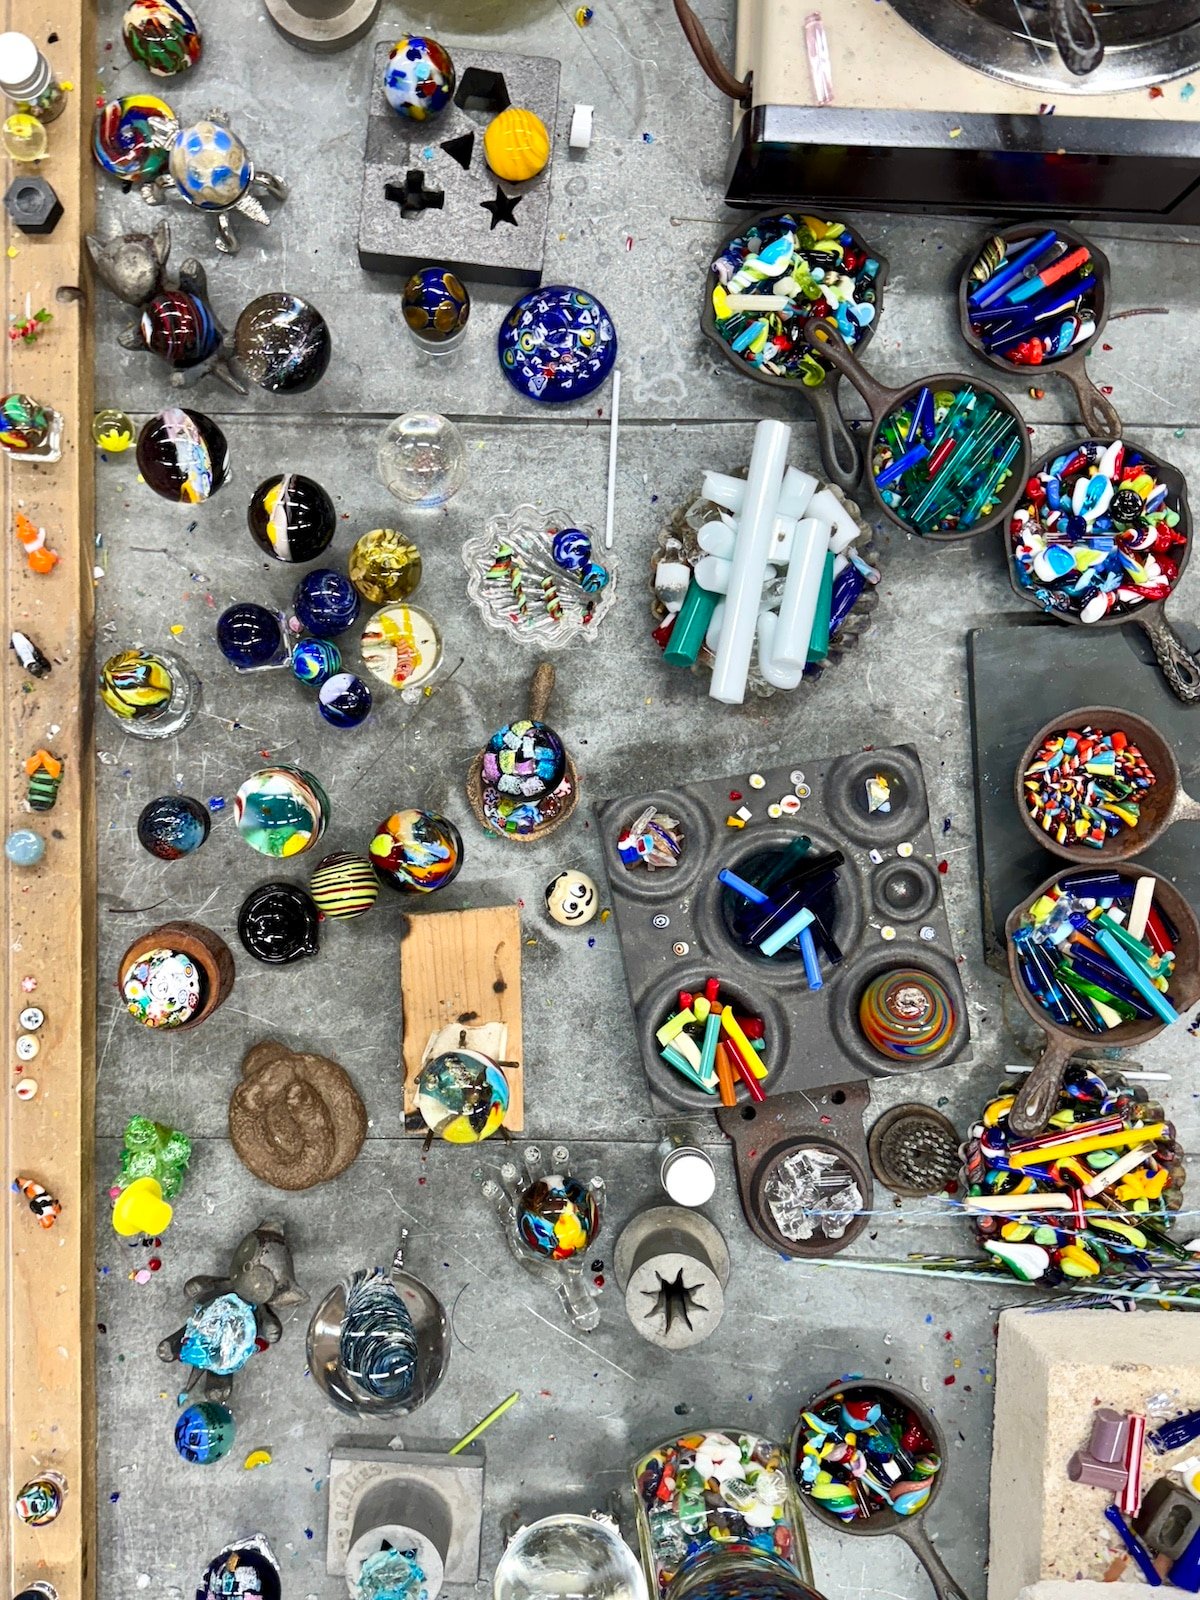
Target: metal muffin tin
{"type": "Point", "coordinates": [812, 1037]}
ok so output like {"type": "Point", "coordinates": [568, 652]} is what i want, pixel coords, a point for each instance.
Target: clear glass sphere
{"type": "Point", "coordinates": [568, 1557]}
{"type": "Point", "coordinates": [422, 459]}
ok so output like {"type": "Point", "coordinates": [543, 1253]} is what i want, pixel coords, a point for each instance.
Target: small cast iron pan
{"type": "Point", "coordinates": [1181, 670]}
{"type": "Point", "coordinates": [881, 402]}
{"type": "Point", "coordinates": [838, 447]}
{"type": "Point", "coordinates": [1038, 1095]}
{"type": "Point", "coordinates": [1166, 803]}
{"type": "Point", "coordinates": [907, 1528]}
{"type": "Point", "coordinates": [1099, 414]}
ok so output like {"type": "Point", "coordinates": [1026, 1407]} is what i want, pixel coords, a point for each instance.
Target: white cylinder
{"type": "Point", "coordinates": [796, 494]}
{"type": "Point", "coordinates": [24, 70]}
{"type": "Point", "coordinates": [723, 490]}
{"type": "Point", "coordinates": [801, 590]}
{"type": "Point", "coordinates": [711, 573]}
{"type": "Point", "coordinates": [830, 509]}
{"type": "Point", "coordinates": [717, 539]}
{"type": "Point", "coordinates": [715, 623]}
{"type": "Point", "coordinates": [748, 567]}
{"type": "Point", "coordinates": [778, 677]}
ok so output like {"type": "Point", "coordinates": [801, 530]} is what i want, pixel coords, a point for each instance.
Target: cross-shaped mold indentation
{"type": "Point", "coordinates": [672, 1300]}
{"type": "Point", "coordinates": [412, 196]}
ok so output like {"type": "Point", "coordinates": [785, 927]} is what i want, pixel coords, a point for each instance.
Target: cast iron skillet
{"type": "Point", "coordinates": [1099, 414]}
{"type": "Point", "coordinates": [907, 1528]}
{"type": "Point", "coordinates": [1181, 670]}
{"type": "Point", "coordinates": [1038, 1095]}
{"type": "Point", "coordinates": [1165, 804]}
{"type": "Point", "coordinates": [838, 447]}
{"type": "Point", "coordinates": [881, 402]}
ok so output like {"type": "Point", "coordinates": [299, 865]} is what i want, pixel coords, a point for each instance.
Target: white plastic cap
{"type": "Point", "coordinates": [688, 1177]}
{"type": "Point", "coordinates": [21, 66]}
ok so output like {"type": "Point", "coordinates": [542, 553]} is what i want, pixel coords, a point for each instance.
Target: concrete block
{"type": "Point", "coordinates": [1052, 1370]}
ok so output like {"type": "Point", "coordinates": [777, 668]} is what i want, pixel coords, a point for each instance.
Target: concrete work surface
{"type": "Point", "coordinates": [635, 220]}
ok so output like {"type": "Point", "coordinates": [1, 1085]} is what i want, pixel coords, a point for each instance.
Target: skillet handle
{"type": "Point", "coordinates": [1076, 37]}
{"type": "Point", "coordinates": [823, 337]}
{"type": "Point", "coordinates": [1100, 417]}
{"type": "Point", "coordinates": [1181, 670]}
{"type": "Point", "coordinates": [919, 1542]}
{"type": "Point", "coordinates": [1038, 1095]}
{"type": "Point", "coordinates": [838, 447]}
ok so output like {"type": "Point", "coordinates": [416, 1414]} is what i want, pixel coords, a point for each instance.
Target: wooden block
{"type": "Point", "coordinates": [47, 1324]}
{"type": "Point", "coordinates": [465, 967]}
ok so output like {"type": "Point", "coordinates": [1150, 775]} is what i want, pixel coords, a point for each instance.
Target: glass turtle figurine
{"type": "Point", "coordinates": [209, 167]}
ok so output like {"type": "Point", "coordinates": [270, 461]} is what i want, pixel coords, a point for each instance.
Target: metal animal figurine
{"type": "Point", "coordinates": [260, 1274]}
{"type": "Point", "coordinates": [208, 167]}
{"type": "Point", "coordinates": [177, 323]}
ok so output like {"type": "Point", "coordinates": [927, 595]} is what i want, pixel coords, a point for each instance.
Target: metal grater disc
{"type": "Point", "coordinates": [914, 1150]}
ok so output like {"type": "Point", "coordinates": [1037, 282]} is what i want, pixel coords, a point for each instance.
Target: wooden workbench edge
{"type": "Point", "coordinates": [47, 1321]}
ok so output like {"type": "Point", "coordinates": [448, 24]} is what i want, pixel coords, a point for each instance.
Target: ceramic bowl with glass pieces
{"type": "Point", "coordinates": [538, 576]}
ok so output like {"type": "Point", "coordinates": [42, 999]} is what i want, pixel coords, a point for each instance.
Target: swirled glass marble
{"type": "Point", "coordinates": [162, 36]}
{"type": "Point", "coordinates": [419, 78]}
{"type": "Point", "coordinates": [281, 811]}
{"type": "Point", "coordinates": [182, 455]}
{"type": "Point", "coordinates": [292, 518]}
{"type": "Point", "coordinates": [130, 137]}
{"type": "Point", "coordinates": [462, 1096]}
{"type": "Point", "coordinates": [557, 1217]}
{"type": "Point", "coordinates": [283, 343]}
{"type": "Point", "coordinates": [179, 327]}
{"type": "Point", "coordinates": [314, 660]}
{"type": "Point", "coordinates": [377, 1344]}
{"type": "Point", "coordinates": [416, 851]}
{"type": "Point", "coordinates": [905, 1013]}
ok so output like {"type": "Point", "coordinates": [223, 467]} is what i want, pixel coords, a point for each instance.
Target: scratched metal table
{"type": "Point", "coordinates": [634, 220]}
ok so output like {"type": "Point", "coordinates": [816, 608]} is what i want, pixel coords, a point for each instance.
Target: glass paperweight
{"type": "Point", "coordinates": [281, 811]}
{"type": "Point", "coordinates": [401, 646]}
{"type": "Point", "coordinates": [291, 517]}
{"type": "Point", "coordinates": [462, 1096]}
{"type": "Point", "coordinates": [344, 700]}
{"type": "Point", "coordinates": [162, 36]}
{"type": "Point", "coordinates": [182, 455]}
{"type": "Point", "coordinates": [152, 695]}
{"type": "Point", "coordinates": [551, 1220]}
{"type": "Point", "coordinates": [422, 459]}
{"type": "Point", "coordinates": [204, 1432]}
{"type": "Point", "coordinates": [557, 344]}
{"type": "Point", "coordinates": [384, 566]}
{"type": "Point", "coordinates": [419, 78]}
{"type": "Point", "coordinates": [246, 1568]}
{"type": "Point", "coordinates": [173, 826]}
{"type": "Point", "coordinates": [25, 138]}
{"type": "Point", "coordinates": [436, 308]}
{"type": "Point", "coordinates": [30, 431]}
{"type": "Point", "coordinates": [416, 852]}
{"type": "Point", "coordinates": [112, 431]}
{"type": "Point", "coordinates": [283, 343]}
{"type": "Point", "coordinates": [568, 1557]}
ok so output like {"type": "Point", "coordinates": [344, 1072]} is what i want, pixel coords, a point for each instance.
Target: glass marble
{"type": "Point", "coordinates": [204, 1432]}
{"type": "Point", "coordinates": [282, 343]}
{"type": "Point", "coordinates": [112, 431]}
{"type": "Point", "coordinates": [343, 886]}
{"type": "Point", "coordinates": [462, 1096]}
{"type": "Point", "coordinates": [525, 760]}
{"type": "Point", "coordinates": [152, 694]}
{"type": "Point", "coordinates": [179, 328]}
{"type": "Point", "coordinates": [906, 1013]}
{"type": "Point", "coordinates": [422, 459]}
{"type": "Point", "coordinates": [24, 137]}
{"type": "Point", "coordinates": [516, 144]}
{"type": "Point", "coordinates": [557, 1217]}
{"type": "Point", "coordinates": [24, 847]}
{"type": "Point", "coordinates": [419, 78]}
{"type": "Point", "coordinates": [326, 602]}
{"type": "Point", "coordinates": [130, 137]}
{"type": "Point", "coordinates": [173, 826]}
{"type": "Point", "coordinates": [182, 455]}
{"type": "Point", "coordinates": [384, 566]}
{"type": "Point", "coordinates": [162, 36]}
{"type": "Point", "coordinates": [219, 1336]}
{"type": "Point", "coordinates": [416, 852]}
{"type": "Point", "coordinates": [344, 700]}
{"type": "Point", "coordinates": [24, 424]}
{"type": "Point", "coordinates": [314, 660]}
{"type": "Point", "coordinates": [568, 1555]}
{"type": "Point", "coordinates": [277, 924]}
{"type": "Point", "coordinates": [40, 1500]}
{"type": "Point", "coordinates": [401, 646]}
{"type": "Point", "coordinates": [246, 1569]}
{"type": "Point", "coordinates": [163, 988]}
{"type": "Point", "coordinates": [436, 308]}
{"type": "Point", "coordinates": [210, 165]}
{"type": "Point", "coordinates": [250, 636]}
{"type": "Point", "coordinates": [377, 1343]}
{"type": "Point", "coordinates": [557, 344]}
{"type": "Point", "coordinates": [281, 811]}
{"type": "Point", "coordinates": [292, 518]}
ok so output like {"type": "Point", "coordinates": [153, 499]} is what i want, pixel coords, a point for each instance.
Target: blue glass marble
{"type": "Point", "coordinates": [344, 700]}
{"type": "Point", "coordinates": [314, 660]}
{"type": "Point", "coordinates": [326, 602]}
{"type": "Point", "coordinates": [204, 1432]}
{"type": "Point", "coordinates": [557, 344]}
{"type": "Point", "coordinates": [572, 549]}
{"type": "Point", "coordinates": [173, 826]}
{"type": "Point", "coordinates": [250, 636]}
{"type": "Point", "coordinates": [24, 848]}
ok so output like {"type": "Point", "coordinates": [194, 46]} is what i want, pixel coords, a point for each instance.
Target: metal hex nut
{"type": "Point", "coordinates": [33, 205]}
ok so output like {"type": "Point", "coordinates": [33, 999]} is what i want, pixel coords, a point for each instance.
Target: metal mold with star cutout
{"type": "Point", "coordinates": [428, 193]}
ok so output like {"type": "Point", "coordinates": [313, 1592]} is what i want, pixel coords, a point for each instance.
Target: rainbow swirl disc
{"type": "Point", "coordinates": [906, 1013]}
{"type": "Point", "coordinates": [130, 137]}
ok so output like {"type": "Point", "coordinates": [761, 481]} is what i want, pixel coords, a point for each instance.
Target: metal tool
{"type": "Point", "coordinates": [908, 1528]}
{"type": "Point", "coordinates": [1181, 670]}
{"type": "Point", "coordinates": [1160, 807]}
{"type": "Point", "coordinates": [1100, 416]}
{"type": "Point", "coordinates": [1038, 1095]}
{"type": "Point", "coordinates": [839, 450]}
